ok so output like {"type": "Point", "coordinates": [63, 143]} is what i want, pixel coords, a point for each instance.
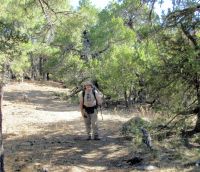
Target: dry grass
{"type": "Point", "coordinates": [169, 151]}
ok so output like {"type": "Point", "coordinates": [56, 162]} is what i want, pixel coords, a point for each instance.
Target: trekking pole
{"type": "Point", "coordinates": [101, 112]}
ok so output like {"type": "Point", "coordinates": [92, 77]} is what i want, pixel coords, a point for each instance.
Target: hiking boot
{"type": "Point", "coordinates": [89, 138]}
{"type": "Point", "coordinates": [96, 137]}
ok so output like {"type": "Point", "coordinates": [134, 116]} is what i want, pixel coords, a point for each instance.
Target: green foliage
{"type": "Point", "coordinates": [84, 3]}
{"type": "Point", "coordinates": [110, 30]}
{"type": "Point", "coordinates": [71, 68]}
{"type": "Point", "coordinates": [20, 64]}
{"type": "Point", "coordinates": [134, 125]}
{"type": "Point", "coordinates": [117, 70]}
{"type": "Point", "coordinates": [176, 68]}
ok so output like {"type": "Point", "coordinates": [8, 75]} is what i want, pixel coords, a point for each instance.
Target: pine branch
{"type": "Point", "coordinates": [179, 16]}
{"type": "Point", "coordinates": [55, 12]}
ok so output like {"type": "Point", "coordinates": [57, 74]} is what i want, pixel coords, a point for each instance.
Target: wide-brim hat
{"type": "Point", "coordinates": [88, 83]}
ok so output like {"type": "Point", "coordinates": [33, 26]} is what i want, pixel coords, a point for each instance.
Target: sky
{"type": "Point", "coordinates": [102, 3]}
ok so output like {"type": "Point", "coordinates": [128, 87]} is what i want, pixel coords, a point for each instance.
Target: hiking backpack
{"type": "Point", "coordinates": [93, 91]}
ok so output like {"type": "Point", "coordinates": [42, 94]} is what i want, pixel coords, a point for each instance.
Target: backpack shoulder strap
{"type": "Point", "coordinates": [83, 94]}
{"type": "Point", "coordinates": [93, 91]}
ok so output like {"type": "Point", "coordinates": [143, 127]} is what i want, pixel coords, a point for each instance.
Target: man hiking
{"type": "Point", "coordinates": [89, 101]}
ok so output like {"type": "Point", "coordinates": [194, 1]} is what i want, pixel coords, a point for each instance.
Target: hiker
{"type": "Point", "coordinates": [89, 101]}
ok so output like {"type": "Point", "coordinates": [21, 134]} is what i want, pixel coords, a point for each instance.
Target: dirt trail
{"type": "Point", "coordinates": [42, 132]}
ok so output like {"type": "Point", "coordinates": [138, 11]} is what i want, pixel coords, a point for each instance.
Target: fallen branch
{"type": "Point", "coordinates": [190, 111]}
{"type": "Point", "coordinates": [194, 163]}
{"type": "Point", "coordinates": [167, 124]}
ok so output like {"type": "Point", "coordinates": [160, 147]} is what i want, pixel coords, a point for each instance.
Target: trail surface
{"type": "Point", "coordinates": [42, 132]}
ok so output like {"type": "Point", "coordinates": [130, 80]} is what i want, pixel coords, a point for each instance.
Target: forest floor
{"type": "Point", "coordinates": [42, 132]}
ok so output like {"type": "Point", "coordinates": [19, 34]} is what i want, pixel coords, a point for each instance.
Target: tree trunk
{"type": "Point", "coordinates": [40, 66]}
{"type": "Point", "coordinates": [129, 97]}
{"type": "Point", "coordinates": [126, 98]}
{"type": "Point", "coordinates": [48, 78]}
{"type": "Point", "coordinates": [132, 96]}
{"type": "Point", "coordinates": [32, 68]}
{"type": "Point", "coordinates": [44, 75]}
{"type": "Point", "coordinates": [1, 133]}
{"type": "Point", "coordinates": [194, 41]}
{"type": "Point", "coordinates": [197, 126]}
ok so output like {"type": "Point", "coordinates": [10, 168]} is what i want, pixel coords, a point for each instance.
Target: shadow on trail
{"type": "Point", "coordinates": [54, 147]}
{"type": "Point", "coordinates": [43, 100]}
{"type": "Point", "coordinates": [63, 145]}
